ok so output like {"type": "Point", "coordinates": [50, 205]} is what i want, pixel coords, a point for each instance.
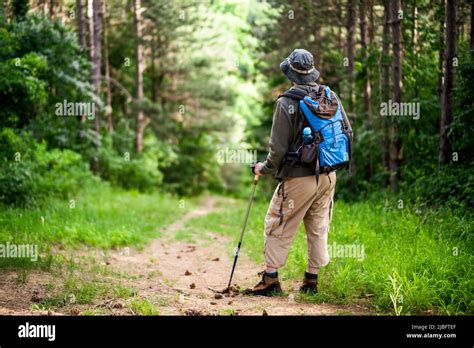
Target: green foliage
{"type": "Point", "coordinates": [141, 173]}
{"type": "Point", "coordinates": [41, 64]}
{"type": "Point", "coordinates": [23, 93]}
{"type": "Point", "coordinates": [463, 127]}
{"type": "Point", "coordinates": [194, 169]}
{"type": "Point", "coordinates": [101, 217]}
{"type": "Point", "coordinates": [30, 172]}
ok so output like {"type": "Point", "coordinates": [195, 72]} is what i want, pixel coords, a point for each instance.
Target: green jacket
{"type": "Point", "coordinates": [286, 137]}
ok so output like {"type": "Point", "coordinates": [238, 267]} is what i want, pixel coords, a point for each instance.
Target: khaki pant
{"type": "Point", "coordinates": [296, 200]}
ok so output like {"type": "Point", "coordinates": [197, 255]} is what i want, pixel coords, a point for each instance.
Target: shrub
{"type": "Point", "coordinates": [136, 173]}
{"type": "Point", "coordinates": [30, 172]}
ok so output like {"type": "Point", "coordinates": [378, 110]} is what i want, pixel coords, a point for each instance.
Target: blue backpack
{"type": "Point", "coordinates": [326, 141]}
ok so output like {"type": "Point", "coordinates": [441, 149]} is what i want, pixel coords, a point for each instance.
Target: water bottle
{"type": "Point", "coordinates": [307, 136]}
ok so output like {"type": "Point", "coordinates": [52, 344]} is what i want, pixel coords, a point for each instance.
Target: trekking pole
{"type": "Point", "coordinates": [255, 180]}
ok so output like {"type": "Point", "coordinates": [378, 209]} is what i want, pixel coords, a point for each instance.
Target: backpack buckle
{"type": "Point", "coordinates": [318, 137]}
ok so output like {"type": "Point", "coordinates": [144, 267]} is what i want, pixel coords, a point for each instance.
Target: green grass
{"type": "Point", "coordinates": [415, 261]}
{"type": "Point", "coordinates": [143, 307]}
{"type": "Point", "coordinates": [76, 291]}
{"type": "Point", "coordinates": [121, 291]}
{"type": "Point", "coordinates": [103, 217]}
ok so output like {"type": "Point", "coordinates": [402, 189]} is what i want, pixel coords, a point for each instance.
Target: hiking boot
{"type": "Point", "coordinates": [268, 286]}
{"type": "Point", "coordinates": [310, 284]}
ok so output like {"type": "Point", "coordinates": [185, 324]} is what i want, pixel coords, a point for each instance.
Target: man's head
{"type": "Point", "coordinates": [299, 67]}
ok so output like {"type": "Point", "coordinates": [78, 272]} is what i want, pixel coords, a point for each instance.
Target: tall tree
{"type": "Point", "coordinates": [414, 38]}
{"type": "Point", "coordinates": [385, 85]}
{"type": "Point", "coordinates": [140, 66]}
{"type": "Point", "coordinates": [108, 90]}
{"type": "Point", "coordinates": [397, 88]}
{"type": "Point", "coordinates": [472, 28]}
{"type": "Point", "coordinates": [80, 22]}
{"type": "Point", "coordinates": [350, 26]}
{"type": "Point", "coordinates": [51, 8]}
{"type": "Point", "coordinates": [363, 43]}
{"type": "Point", "coordinates": [372, 33]}
{"type": "Point", "coordinates": [448, 85]}
{"type": "Point", "coordinates": [367, 87]}
{"type": "Point", "coordinates": [96, 53]}
{"type": "Point", "coordinates": [96, 66]}
{"type": "Point", "coordinates": [441, 40]}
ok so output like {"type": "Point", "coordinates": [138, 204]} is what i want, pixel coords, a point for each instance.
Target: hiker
{"type": "Point", "coordinates": [305, 170]}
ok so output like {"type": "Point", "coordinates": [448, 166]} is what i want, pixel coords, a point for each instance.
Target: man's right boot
{"type": "Point", "coordinates": [268, 286]}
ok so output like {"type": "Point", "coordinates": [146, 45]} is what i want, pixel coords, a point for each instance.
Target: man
{"type": "Point", "coordinates": [299, 196]}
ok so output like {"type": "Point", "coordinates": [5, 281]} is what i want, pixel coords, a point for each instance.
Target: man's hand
{"type": "Point", "coordinates": [258, 166]}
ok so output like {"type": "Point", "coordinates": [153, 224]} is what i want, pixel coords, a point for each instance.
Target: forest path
{"type": "Point", "coordinates": [168, 277]}
{"type": "Point", "coordinates": [185, 271]}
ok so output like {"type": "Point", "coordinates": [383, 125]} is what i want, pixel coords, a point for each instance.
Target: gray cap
{"type": "Point", "coordinates": [299, 67]}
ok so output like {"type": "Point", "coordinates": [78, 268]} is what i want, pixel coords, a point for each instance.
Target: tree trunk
{"type": "Point", "coordinates": [367, 87]}
{"type": "Point", "coordinates": [385, 87]}
{"type": "Point", "coordinates": [448, 85]}
{"type": "Point", "coordinates": [95, 72]}
{"type": "Point", "coordinates": [80, 23]}
{"type": "Point", "coordinates": [140, 124]}
{"type": "Point", "coordinates": [318, 56]}
{"type": "Point", "coordinates": [90, 17]}
{"type": "Point", "coordinates": [80, 30]}
{"type": "Point", "coordinates": [51, 8]}
{"type": "Point", "coordinates": [414, 39]}
{"type": "Point", "coordinates": [397, 91]}
{"type": "Point", "coordinates": [96, 55]}
{"type": "Point", "coordinates": [441, 54]}
{"type": "Point", "coordinates": [108, 91]}
{"type": "Point", "coordinates": [370, 4]}
{"type": "Point", "coordinates": [350, 25]}
{"type": "Point", "coordinates": [340, 24]}
{"type": "Point", "coordinates": [472, 28]}
{"type": "Point", "coordinates": [363, 43]}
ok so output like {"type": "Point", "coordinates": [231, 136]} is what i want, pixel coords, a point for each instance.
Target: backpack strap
{"type": "Point", "coordinates": [294, 93]}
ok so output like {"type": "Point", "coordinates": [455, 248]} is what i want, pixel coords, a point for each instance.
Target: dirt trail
{"type": "Point", "coordinates": [209, 263]}
{"type": "Point", "coordinates": [175, 277]}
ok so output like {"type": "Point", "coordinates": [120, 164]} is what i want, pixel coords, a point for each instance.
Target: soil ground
{"type": "Point", "coordinates": [174, 276]}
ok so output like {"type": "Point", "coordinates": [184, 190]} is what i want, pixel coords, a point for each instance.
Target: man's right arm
{"type": "Point", "coordinates": [280, 138]}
